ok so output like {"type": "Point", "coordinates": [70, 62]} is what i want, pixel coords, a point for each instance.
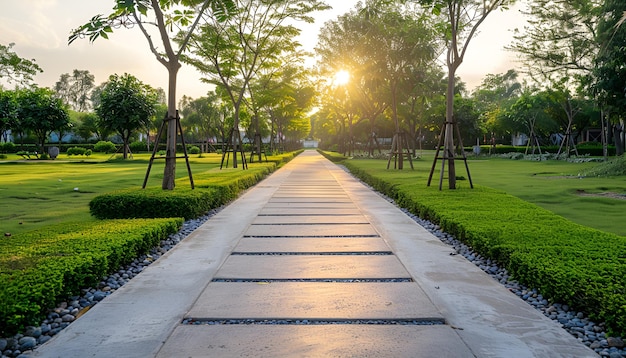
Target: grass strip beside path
{"type": "Point", "coordinates": [569, 263]}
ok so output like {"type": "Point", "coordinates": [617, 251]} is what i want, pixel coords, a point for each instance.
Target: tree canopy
{"type": "Point", "coordinates": [126, 105]}
{"type": "Point", "coordinates": [14, 68]}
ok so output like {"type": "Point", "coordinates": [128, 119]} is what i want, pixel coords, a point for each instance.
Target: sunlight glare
{"type": "Point", "coordinates": [341, 78]}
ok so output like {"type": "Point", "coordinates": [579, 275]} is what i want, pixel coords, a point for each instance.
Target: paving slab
{"type": "Point", "coordinates": [329, 205]}
{"type": "Point", "coordinates": [310, 230]}
{"type": "Point", "coordinates": [329, 201]}
{"type": "Point", "coordinates": [312, 210]}
{"type": "Point", "coordinates": [315, 341]}
{"type": "Point", "coordinates": [312, 267]}
{"type": "Point", "coordinates": [322, 193]}
{"type": "Point", "coordinates": [314, 300]}
{"type": "Point", "coordinates": [308, 244]}
{"type": "Point", "coordinates": [309, 219]}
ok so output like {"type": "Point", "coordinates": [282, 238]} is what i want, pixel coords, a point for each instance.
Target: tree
{"type": "Point", "coordinates": [8, 112]}
{"type": "Point", "coordinates": [408, 48]}
{"type": "Point", "coordinates": [531, 114]}
{"type": "Point", "coordinates": [88, 127]}
{"type": "Point", "coordinates": [75, 89]}
{"type": "Point", "coordinates": [204, 117]}
{"type": "Point", "coordinates": [16, 69]}
{"type": "Point", "coordinates": [230, 53]}
{"type": "Point", "coordinates": [560, 40]}
{"type": "Point", "coordinates": [126, 105]}
{"type": "Point", "coordinates": [462, 18]}
{"type": "Point", "coordinates": [41, 113]}
{"type": "Point", "coordinates": [494, 96]}
{"type": "Point", "coordinates": [166, 15]}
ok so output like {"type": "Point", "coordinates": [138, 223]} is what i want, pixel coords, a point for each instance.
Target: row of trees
{"type": "Point", "coordinates": [232, 42]}
{"type": "Point", "coordinates": [572, 51]}
{"type": "Point", "coordinates": [123, 105]}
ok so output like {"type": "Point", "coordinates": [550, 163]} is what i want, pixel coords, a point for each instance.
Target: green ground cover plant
{"type": "Point", "coordinates": [568, 262]}
{"type": "Point", "coordinates": [40, 267]}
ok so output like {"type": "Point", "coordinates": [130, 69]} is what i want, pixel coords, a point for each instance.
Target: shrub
{"type": "Point", "coordinates": [3, 156]}
{"type": "Point", "coordinates": [40, 267]}
{"type": "Point", "coordinates": [333, 156]}
{"type": "Point", "coordinates": [155, 203]}
{"type": "Point", "coordinates": [192, 149]}
{"type": "Point", "coordinates": [138, 146]}
{"type": "Point", "coordinates": [568, 263]}
{"type": "Point", "coordinates": [8, 147]}
{"type": "Point", "coordinates": [76, 151]}
{"type": "Point", "coordinates": [105, 147]}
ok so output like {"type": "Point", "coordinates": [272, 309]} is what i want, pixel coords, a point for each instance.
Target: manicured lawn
{"type": "Point", "coordinates": [36, 193]}
{"type": "Point", "coordinates": [553, 185]}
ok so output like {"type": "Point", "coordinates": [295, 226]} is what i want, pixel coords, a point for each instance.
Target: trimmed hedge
{"type": "Point", "coordinates": [569, 263]}
{"type": "Point", "coordinates": [39, 268]}
{"type": "Point", "coordinates": [214, 188]}
{"type": "Point", "coordinates": [155, 203]}
{"type": "Point", "coordinates": [333, 156]}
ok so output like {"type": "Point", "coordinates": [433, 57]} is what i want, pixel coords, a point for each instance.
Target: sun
{"type": "Point", "coordinates": [341, 78]}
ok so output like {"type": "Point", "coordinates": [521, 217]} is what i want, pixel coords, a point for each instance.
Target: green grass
{"type": "Point", "coordinates": [568, 262]}
{"type": "Point", "coordinates": [38, 193]}
{"type": "Point", "coordinates": [552, 185]}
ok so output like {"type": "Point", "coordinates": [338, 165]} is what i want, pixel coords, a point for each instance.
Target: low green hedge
{"type": "Point", "coordinates": [333, 156]}
{"type": "Point", "coordinates": [214, 188]}
{"type": "Point", "coordinates": [39, 268]}
{"type": "Point", "coordinates": [569, 263]}
{"type": "Point", "coordinates": [155, 203]}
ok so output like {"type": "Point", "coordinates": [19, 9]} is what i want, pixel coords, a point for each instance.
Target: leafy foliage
{"type": "Point", "coordinates": [126, 105]}
{"type": "Point", "coordinates": [105, 147]}
{"type": "Point", "coordinates": [568, 263]}
{"type": "Point", "coordinates": [38, 268]}
{"type": "Point", "coordinates": [166, 16]}
{"type": "Point", "coordinates": [16, 69]}
{"type": "Point", "coordinates": [75, 90]}
{"type": "Point", "coordinates": [40, 112]}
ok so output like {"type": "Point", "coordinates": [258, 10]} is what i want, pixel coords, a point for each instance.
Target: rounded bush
{"type": "Point", "coordinates": [105, 147]}
{"type": "Point", "coordinates": [76, 151]}
{"type": "Point", "coordinates": [138, 146]}
{"type": "Point", "coordinates": [8, 147]}
{"type": "Point", "coordinates": [192, 149]}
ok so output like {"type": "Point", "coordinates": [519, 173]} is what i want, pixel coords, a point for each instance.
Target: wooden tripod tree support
{"type": "Point", "coordinates": [448, 155]}
{"type": "Point", "coordinates": [257, 149]}
{"type": "Point", "coordinates": [398, 144]}
{"type": "Point", "coordinates": [533, 141]}
{"type": "Point", "coordinates": [156, 146]}
{"type": "Point", "coordinates": [568, 141]}
{"type": "Point", "coordinates": [234, 145]}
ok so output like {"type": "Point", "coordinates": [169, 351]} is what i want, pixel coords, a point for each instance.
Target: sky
{"type": "Point", "coordinates": [40, 28]}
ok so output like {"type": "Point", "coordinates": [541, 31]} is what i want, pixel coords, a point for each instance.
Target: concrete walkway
{"type": "Point", "coordinates": [312, 245]}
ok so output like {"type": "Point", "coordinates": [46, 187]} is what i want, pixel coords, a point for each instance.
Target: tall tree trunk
{"type": "Point", "coordinates": [169, 173]}
{"type": "Point", "coordinates": [448, 144]}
